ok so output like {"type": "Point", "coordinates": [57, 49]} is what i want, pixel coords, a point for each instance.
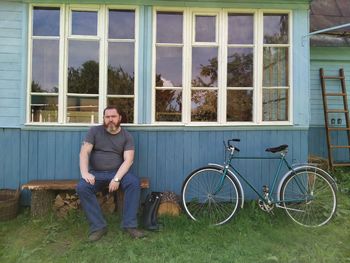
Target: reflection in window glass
{"type": "Point", "coordinates": [240, 67]}
{"type": "Point", "coordinates": [168, 105]}
{"type": "Point", "coordinates": [46, 21]}
{"type": "Point", "coordinates": [44, 108]}
{"type": "Point", "coordinates": [82, 110]}
{"type": "Point", "coordinates": [204, 66]}
{"type": "Point", "coordinates": [169, 67]}
{"type": "Point", "coordinates": [275, 68]}
{"type": "Point", "coordinates": [240, 29]}
{"type": "Point", "coordinates": [169, 27]}
{"type": "Point", "coordinates": [204, 105]}
{"type": "Point", "coordinates": [275, 29]}
{"type": "Point", "coordinates": [126, 107]}
{"type": "Point", "coordinates": [239, 105]}
{"type": "Point", "coordinates": [205, 28]}
{"type": "Point", "coordinates": [121, 68]}
{"type": "Point", "coordinates": [84, 23]}
{"type": "Point", "coordinates": [45, 65]}
{"type": "Point", "coordinates": [83, 67]}
{"type": "Point", "coordinates": [121, 24]}
{"type": "Point", "coordinates": [275, 104]}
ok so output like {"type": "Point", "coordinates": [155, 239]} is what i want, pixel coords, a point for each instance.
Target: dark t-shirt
{"type": "Point", "coordinates": [108, 150]}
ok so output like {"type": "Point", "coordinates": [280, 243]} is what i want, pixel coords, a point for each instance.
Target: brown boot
{"type": "Point", "coordinates": [135, 233]}
{"type": "Point", "coordinates": [96, 235]}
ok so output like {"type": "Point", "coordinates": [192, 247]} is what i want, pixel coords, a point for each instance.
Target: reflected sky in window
{"type": "Point", "coordinates": [84, 23]}
{"type": "Point", "coordinates": [240, 29]}
{"type": "Point", "coordinates": [121, 55]}
{"type": "Point", "coordinates": [169, 27]}
{"type": "Point", "coordinates": [82, 51]}
{"type": "Point", "coordinates": [46, 21]}
{"type": "Point", "coordinates": [169, 66]}
{"type": "Point", "coordinates": [121, 24]}
{"type": "Point", "coordinates": [45, 65]}
{"type": "Point", "coordinates": [205, 28]}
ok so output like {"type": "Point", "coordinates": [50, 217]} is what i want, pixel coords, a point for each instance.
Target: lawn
{"type": "Point", "coordinates": [252, 236]}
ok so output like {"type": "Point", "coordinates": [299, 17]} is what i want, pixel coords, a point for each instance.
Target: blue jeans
{"type": "Point", "coordinates": [130, 184]}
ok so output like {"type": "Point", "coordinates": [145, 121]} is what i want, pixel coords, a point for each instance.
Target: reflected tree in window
{"type": "Point", "coordinates": [85, 79]}
{"type": "Point", "coordinates": [208, 74]}
{"type": "Point", "coordinates": [240, 70]}
{"type": "Point", "coordinates": [120, 82]}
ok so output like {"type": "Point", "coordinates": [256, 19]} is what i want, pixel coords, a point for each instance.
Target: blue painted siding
{"type": "Point", "coordinates": [11, 63]}
{"type": "Point", "coordinates": [331, 59]}
{"type": "Point", "coordinates": [166, 157]}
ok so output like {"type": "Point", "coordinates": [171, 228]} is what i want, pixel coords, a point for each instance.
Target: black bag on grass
{"type": "Point", "coordinates": [150, 211]}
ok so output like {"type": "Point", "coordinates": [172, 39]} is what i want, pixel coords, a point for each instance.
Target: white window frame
{"type": "Point", "coordinates": [188, 42]}
{"type": "Point", "coordinates": [64, 37]}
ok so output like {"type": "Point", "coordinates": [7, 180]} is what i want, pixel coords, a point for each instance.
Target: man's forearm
{"type": "Point", "coordinates": [84, 163]}
{"type": "Point", "coordinates": [123, 169]}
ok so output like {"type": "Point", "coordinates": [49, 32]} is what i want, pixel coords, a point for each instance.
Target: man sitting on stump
{"type": "Point", "coordinates": [106, 156]}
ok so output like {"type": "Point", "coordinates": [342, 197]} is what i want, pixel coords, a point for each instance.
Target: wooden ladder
{"type": "Point", "coordinates": [331, 147]}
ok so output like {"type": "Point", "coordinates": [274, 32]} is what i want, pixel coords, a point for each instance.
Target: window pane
{"type": "Point", "coordinates": [46, 21]}
{"type": "Point", "coordinates": [126, 107]}
{"type": "Point", "coordinates": [240, 29]}
{"type": "Point", "coordinates": [169, 67]}
{"type": "Point", "coordinates": [275, 67]}
{"type": "Point", "coordinates": [204, 66]}
{"type": "Point", "coordinates": [121, 68]}
{"type": "Point", "coordinates": [205, 29]}
{"type": "Point", "coordinates": [240, 67]}
{"type": "Point", "coordinates": [44, 108]}
{"type": "Point", "coordinates": [168, 105]}
{"type": "Point", "coordinates": [275, 105]}
{"type": "Point", "coordinates": [121, 24]}
{"type": "Point", "coordinates": [275, 29]}
{"type": "Point", "coordinates": [84, 23]}
{"type": "Point", "coordinates": [204, 105]}
{"type": "Point", "coordinates": [169, 27]}
{"type": "Point", "coordinates": [239, 105]}
{"type": "Point", "coordinates": [45, 66]}
{"type": "Point", "coordinates": [82, 110]}
{"type": "Point", "coordinates": [83, 67]}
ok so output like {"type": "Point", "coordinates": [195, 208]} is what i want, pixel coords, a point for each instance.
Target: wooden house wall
{"type": "Point", "coordinates": [331, 59]}
{"type": "Point", "coordinates": [166, 157]}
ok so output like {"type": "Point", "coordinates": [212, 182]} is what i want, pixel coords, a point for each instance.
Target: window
{"type": "Point", "coordinates": [221, 67]}
{"type": "Point", "coordinates": [81, 60]}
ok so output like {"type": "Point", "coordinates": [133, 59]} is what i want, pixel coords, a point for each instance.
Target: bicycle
{"type": "Point", "coordinates": [214, 193]}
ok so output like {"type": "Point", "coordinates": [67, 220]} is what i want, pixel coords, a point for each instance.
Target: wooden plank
{"type": "Point", "coordinates": [65, 184]}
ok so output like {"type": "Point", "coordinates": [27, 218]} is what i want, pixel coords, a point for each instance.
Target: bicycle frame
{"type": "Point", "coordinates": [282, 161]}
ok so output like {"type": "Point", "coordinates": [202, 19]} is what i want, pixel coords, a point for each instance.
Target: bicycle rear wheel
{"type": "Point", "coordinates": [309, 197]}
{"type": "Point", "coordinates": [208, 196]}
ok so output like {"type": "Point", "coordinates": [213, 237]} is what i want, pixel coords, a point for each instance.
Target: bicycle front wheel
{"type": "Point", "coordinates": [211, 197]}
{"type": "Point", "coordinates": [309, 197]}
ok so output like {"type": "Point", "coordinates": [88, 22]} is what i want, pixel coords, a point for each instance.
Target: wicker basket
{"type": "Point", "coordinates": [9, 200]}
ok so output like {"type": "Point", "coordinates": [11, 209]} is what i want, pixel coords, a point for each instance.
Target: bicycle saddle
{"type": "Point", "coordinates": [277, 149]}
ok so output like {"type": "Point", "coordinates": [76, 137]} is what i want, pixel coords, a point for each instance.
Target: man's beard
{"type": "Point", "coordinates": [111, 127]}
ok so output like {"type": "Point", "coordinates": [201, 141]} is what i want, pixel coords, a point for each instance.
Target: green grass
{"type": "Point", "coordinates": [252, 236]}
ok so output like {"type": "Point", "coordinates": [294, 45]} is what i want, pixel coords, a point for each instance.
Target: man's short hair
{"type": "Point", "coordinates": [111, 107]}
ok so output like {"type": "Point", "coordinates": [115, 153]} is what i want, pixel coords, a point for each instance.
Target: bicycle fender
{"type": "Point", "coordinates": [308, 165]}
{"type": "Point", "coordinates": [296, 169]}
{"type": "Point", "coordinates": [233, 175]}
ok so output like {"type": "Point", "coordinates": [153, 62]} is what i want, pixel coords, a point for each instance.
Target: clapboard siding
{"type": "Point", "coordinates": [318, 144]}
{"type": "Point", "coordinates": [331, 60]}
{"type": "Point", "coordinates": [166, 157]}
{"type": "Point", "coordinates": [11, 63]}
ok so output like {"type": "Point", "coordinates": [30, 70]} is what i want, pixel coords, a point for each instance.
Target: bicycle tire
{"type": "Point", "coordinates": [200, 201]}
{"type": "Point", "coordinates": [309, 197]}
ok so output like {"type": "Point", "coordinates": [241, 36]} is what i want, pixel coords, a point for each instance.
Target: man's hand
{"type": "Point", "coordinates": [113, 186]}
{"type": "Point", "coordinates": [89, 178]}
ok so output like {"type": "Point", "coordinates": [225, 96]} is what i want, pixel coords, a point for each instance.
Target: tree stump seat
{"type": "Point", "coordinates": [44, 192]}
